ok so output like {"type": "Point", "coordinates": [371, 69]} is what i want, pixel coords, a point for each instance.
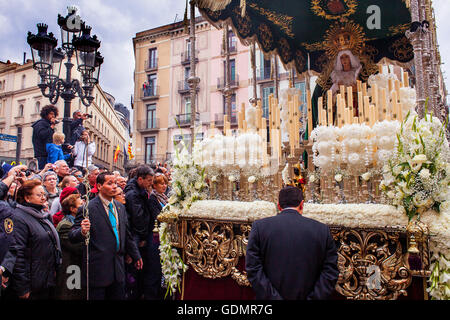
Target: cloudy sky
{"type": "Point", "coordinates": [116, 23]}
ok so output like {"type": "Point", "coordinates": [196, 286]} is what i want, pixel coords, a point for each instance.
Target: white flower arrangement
{"type": "Point", "coordinates": [171, 261]}
{"type": "Point", "coordinates": [188, 186]}
{"type": "Point", "coordinates": [231, 210]}
{"type": "Point", "coordinates": [416, 175]}
{"type": "Point", "coordinates": [356, 215]}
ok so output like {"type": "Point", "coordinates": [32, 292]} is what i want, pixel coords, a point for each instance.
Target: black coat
{"type": "Point", "coordinates": [7, 248]}
{"type": "Point", "coordinates": [76, 129]}
{"type": "Point", "coordinates": [37, 255]}
{"type": "Point", "coordinates": [42, 134]}
{"type": "Point", "coordinates": [71, 256]}
{"type": "Point", "coordinates": [291, 257]}
{"type": "Point", "coordinates": [106, 264]}
{"type": "Point", "coordinates": [140, 215]}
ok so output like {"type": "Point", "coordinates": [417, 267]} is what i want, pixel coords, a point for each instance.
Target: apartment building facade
{"type": "Point", "coordinates": [21, 101]}
{"type": "Point", "coordinates": [161, 122]}
{"type": "Point", "coordinates": [162, 103]}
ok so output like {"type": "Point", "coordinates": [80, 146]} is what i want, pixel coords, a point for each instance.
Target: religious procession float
{"type": "Point", "coordinates": [370, 153]}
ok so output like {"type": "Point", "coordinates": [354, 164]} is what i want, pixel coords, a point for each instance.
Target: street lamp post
{"type": "Point", "coordinates": [76, 39]}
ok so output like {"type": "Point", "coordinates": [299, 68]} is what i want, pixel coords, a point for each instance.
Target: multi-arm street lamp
{"type": "Point", "coordinates": [76, 38]}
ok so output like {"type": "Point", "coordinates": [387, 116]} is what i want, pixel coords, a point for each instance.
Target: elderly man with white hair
{"type": "Point", "coordinates": [61, 169]}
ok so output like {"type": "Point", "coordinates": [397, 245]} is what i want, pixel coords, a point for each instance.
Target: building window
{"type": "Point", "coordinates": [188, 49]}
{"type": "Point", "coordinates": [153, 58]}
{"type": "Point", "coordinates": [37, 107]}
{"type": "Point", "coordinates": [232, 70]}
{"type": "Point", "coordinates": [265, 100]}
{"type": "Point", "coordinates": [24, 78]}
{"type": "Point", "coordinates": [265, 68]}
{"type": "Point", "coordinates": [232, 41]}
{"type": "Point", "coordinates": [150, 86]}
{"type": "Point", "coordinates": [302, 87]}
{"type": "Point", "coordinates": [150, 149]}
{"type": "Point", "coordinates": [20, 111]}
{"type": "Point", "coordinates": [187, 106]}
{"type": "Point", "coordinates": [151, 116]}
{"type": "Point", "coordinates": [233, 108]}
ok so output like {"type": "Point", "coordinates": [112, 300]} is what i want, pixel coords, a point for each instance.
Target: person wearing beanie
{"type": "Point", "coordinates": [57, 217]}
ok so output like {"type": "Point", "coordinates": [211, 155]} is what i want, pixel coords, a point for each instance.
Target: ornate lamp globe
{"type": "Point", "coordinates": [70, 26]}
{"type": "Point", "coordinates": [93, 79]}
{"type": "Point", "coordinates": [86, 50]}
{"type": "Point", "coordinates": [42, 46]}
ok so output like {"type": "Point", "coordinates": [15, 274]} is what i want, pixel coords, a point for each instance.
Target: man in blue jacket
{"type": "Point", "coordinates": [289, 256]}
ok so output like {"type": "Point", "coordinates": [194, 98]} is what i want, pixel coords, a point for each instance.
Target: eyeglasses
{"type": "Point", "coordinates": [41, 195]}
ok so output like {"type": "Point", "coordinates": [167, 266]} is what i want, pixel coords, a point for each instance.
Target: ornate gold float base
{"type": "Point", "coordinates": [373, 263]}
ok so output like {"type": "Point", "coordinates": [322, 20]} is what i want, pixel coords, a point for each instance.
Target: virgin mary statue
{"type": "Point", "coordinates": [346, 70]}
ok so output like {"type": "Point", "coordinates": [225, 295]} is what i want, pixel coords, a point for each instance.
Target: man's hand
{"type": "Point", "coordinates": [139, 264]}
{"type": "Point", "coordinates": [17, 169]}
{"type": "Point", "coordinates": [85, 227]}
{"type": "Point", "coordinates": [25, 296]}
{"type": "Point", "coordinates": [142, 244]}
{"type": "Point", "coordinates": [4, 279]}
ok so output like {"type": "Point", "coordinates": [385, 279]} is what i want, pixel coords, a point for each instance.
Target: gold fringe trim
{"type": "Point", "coordinates": [214, 5]}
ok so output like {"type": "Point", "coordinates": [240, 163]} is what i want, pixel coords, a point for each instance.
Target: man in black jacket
{"type": "Point", "coordinates": [142, 219]}
{"type": "Point", "coordinates": [289, 256]}
{"type": "Point", "coordinates": [43, 130]}
{"type": "Point", "coordinates": [110, 240]}
{"type": "Point", "coordinates": [76, 126]}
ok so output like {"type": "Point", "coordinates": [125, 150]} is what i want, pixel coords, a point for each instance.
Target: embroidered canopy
{"type": "Point", "coordinates": [310, 33]}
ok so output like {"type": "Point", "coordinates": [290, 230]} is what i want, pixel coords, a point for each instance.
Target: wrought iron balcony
{"type": "Point", "coordinates": [234, 82]}
{"type": "Point", "coordinates": [232, 48]}
{"type": "Point", "coordinates": [151, 124]}
{"type": "Point", "coordinates": [219, 119]}
{"type": "Point", "coordinates": [151, 92]}
{"type": "Point", "coordinates": [151, 64]}
{"type": "Point", "coordinates": [185, 119]}
{"type": "Point", "coordinates": [186, 57]}
{"type": "Point", "coordinates": [183, 87]}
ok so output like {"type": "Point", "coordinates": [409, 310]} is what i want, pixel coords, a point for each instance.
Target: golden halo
{"type": "Point", "coordinates": [349, 36]}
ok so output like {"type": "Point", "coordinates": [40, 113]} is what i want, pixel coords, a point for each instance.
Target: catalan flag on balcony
{"type": "Point", "coordinates": [130, 153]}
{"type": "Point", "coordinates": [116, 153]}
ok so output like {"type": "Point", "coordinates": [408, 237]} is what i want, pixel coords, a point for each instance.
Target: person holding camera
{"type": "Point", "coordinates": [76, 126]}
{"type": "Point", "coordinates": [83, 151]}
{"type": "Point", "coordinates": [43, 131]}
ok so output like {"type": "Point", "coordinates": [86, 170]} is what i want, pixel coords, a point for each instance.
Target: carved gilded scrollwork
{"type": "Point", "coordinates": [371, 265]}
{"type": "Point", "coordinates": [210, 248]}
{"type": "Point", "coordinates": [372, 262]}
{"type": "Point", "coordinates": [240, 277]}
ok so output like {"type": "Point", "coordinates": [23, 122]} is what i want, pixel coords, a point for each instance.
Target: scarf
{"type": "Point", "coordinates": [43, 217]}
{"type": "Point", "coordinates": [162, 198]}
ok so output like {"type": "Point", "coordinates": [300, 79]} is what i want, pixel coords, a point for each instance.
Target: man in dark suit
{"type": "Point", "coordinates": [289, 256]}
{"type": "Point", "coordinates": [110, 240]}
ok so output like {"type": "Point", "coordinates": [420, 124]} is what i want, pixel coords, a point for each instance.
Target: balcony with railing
{"type": "Point", "coordinates": [219, 119]}
{"type": "Point", "coordinates": [183, 87]}
{"type": "Point", "coordinates": [185, 119]}
{"type": "Point", "coordinates": [151, 65]}
{"type": "Point", "coordinates": [263, 74]}
{"type": "Point", "coordinates": [232, 48]}
{"type": "Point", "coordinates": [234, 82]}
{"type": "Point", "coordinates": [186, 57]}
{"type": "Point", "coordinates": [151, 124]}
{"type": "Point", "coordinates": [150, 92]}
